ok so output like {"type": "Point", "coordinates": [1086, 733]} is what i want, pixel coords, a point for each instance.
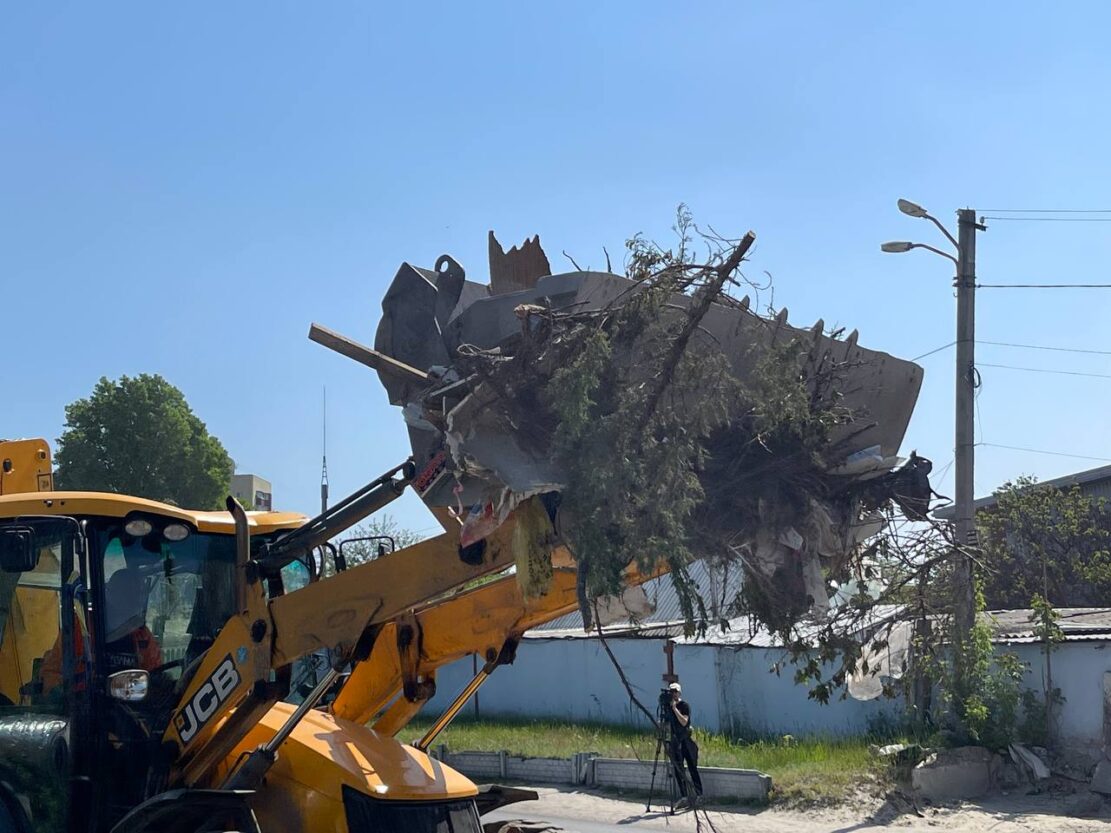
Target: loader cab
{"type": "Point", "coordinates": [107, 605]}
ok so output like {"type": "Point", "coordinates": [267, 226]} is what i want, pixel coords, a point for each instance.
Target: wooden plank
{"type": "Point", "coordinates": [365, 355]}
{"type": "Point", "coordinates": [519, 268]}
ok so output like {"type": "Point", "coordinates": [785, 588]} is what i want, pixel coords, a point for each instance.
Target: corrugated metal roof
{"type": "Point", "coordinates": [741, 631]}
{"type": "Point", "coordinates": [1008, 627]}
{"type": "Point", "coordinates": [1077, 623]}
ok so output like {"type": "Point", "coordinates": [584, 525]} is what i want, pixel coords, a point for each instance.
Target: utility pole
{"type": "Point", "coordinates": [964, 449]}
{"type": "Point", "coordinates": [324, 458]}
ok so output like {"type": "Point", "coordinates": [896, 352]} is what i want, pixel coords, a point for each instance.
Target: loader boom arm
{"type": "Point", "coordinates": [409, 650]}
{"type": "Point", "coordinates": [343, 613]}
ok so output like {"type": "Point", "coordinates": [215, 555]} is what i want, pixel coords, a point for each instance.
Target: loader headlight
{"type": "Point", "coordinates": [175, 532]}
{"type": "Point", "coordinates": [138, 528]}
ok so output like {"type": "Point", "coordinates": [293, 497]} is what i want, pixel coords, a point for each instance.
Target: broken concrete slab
{"type": "Point", "coordinates": [1085, 803]}
{"type": "Point", "coordinates": [1101, 778]}
{"type": "Point", "coordinates": [955, 774]}
{"type": "Point", "coordinates": [1075, 763]}
{"type": "Point", "coordinates": [1010, 776]}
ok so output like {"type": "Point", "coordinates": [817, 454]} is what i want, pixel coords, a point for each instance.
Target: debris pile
{"type": "Point", "coordinates": [652, 416]}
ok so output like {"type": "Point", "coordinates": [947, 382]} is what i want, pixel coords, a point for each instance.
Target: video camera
{"type": "Point", "coordinates": [665, 698]}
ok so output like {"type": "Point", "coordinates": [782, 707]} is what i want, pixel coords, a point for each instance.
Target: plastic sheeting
{"type": "Point", "coordinates": [888, 661]}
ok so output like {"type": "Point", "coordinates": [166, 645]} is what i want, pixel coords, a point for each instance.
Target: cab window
{"type": "Point", "coordinates": [30, 626]}
{"type": "Point", "coordinates": [165, 598]}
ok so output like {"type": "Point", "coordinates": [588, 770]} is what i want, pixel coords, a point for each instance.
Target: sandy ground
{"type": "Point", "coordinates": [589, 812]}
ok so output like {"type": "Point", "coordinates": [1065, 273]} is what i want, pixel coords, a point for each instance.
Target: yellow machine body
{"type": "Point", "coordinates": [479, 621]}
{"type": "Point", "coordinates": [303, 791]}
{"type": "Point", "coordinates": [324, 753]}
{"type": "Point", "coordinates": [109, 505]}
{"type": "Point", "coordinates": [25, 466]}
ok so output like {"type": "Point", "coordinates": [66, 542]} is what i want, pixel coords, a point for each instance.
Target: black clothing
{"type": "Point", "coordinates": [682, 749]}
{"type": "Point", "coordinates": [678, 730]}
{"type": "Point", "coordinates": [686, 752]}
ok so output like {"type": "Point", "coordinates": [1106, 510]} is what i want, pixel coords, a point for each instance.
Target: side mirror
{"type": "Point", "coordinates": [17, 550]}
{"type": "Point", "coordinates": [129, 686]}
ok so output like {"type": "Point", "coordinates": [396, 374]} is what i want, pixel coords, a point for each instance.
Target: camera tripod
{"type": "Point", "coordinates": [664, 749]}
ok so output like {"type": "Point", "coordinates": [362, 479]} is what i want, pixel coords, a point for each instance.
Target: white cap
{"type": "Point", "coordinates": [676, 687]}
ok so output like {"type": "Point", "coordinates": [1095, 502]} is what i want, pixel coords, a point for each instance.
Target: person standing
{"type": "Point", "coordinates": [683, 750]}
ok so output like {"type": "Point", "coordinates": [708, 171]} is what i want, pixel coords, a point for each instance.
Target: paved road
{"type": "Point", "coordinates": [586, 811]}
{"type": "Point", "coordinates": [580, 825]}
{"type": "Point", "coordinates": [571, 825]}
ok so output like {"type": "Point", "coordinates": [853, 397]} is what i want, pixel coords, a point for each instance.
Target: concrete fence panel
{"type": "Point", "coordinates": [615, 773]}
{"type": "Point", "coordinates": [717, 782]}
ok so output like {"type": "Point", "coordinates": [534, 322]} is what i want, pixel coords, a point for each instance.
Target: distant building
{"type": "Point", "coordinates": [253, 491]}
{"type": "Point", "coordinates": [1094, 483]}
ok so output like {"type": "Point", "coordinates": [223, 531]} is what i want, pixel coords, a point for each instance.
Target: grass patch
{"type": "Point", "coordinates": [804, 771]}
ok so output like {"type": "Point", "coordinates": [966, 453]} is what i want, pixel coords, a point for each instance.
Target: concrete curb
{"type": "Point", "coordinates": [588, 769]}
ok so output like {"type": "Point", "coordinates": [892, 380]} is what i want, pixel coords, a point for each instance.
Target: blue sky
{"type": "Point", "coordinates": [186, 187]}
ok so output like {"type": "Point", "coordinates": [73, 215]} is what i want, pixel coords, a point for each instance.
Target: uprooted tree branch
{"type": "Point", "coordinates": [679, 437]}
{"type": "Point", "coordinates": [644, 421]}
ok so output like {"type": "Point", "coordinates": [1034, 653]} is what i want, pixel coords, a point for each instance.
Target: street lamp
{"type": "Point", "coordinates": [900, 246]}
{"type": "Point", "coordinates": [964, 610]}
{"type": "Point", "coordinates": [911, 209]}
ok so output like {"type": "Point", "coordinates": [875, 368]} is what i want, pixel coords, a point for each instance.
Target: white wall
{"type": "Point", "coordinates": [758, 701]}
{"type": "Point", "coordinates": [1078, 669]}
{"type": "Point", "coordinates": [572, 679]}
{"type": "Point", "coordinates": [731, 690]}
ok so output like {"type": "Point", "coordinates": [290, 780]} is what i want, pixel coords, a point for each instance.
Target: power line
{"type": "Point", "coordinates": [936, 350]}
{"type": "Point", "coordinates": [1051, 219]}
{"type": "Point", "coordinates": [1043, 286]}
{"type": "Point", "coordinates": [1046, 370]}
{"type": "Point", "coordinates": [1044, 347]}
{"type": "Point", "coordinates": [1047, 210]}
{"type": "Point", "coordinates": [1043, 451]}
{"type": "Point", "coordinates": [943, 475]}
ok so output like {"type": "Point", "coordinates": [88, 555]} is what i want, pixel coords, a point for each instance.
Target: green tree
{"type": "Point", "coordinates": [359, 550]}
{"type": "Point", "coordinates": [1046, 542]}
{"type": "Point", "coordinates": [138, 436]}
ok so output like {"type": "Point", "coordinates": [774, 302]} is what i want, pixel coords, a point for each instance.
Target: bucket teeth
{"type": "Point", "coordinates": [745, 301]}
{"type": "Point", "coordinates": [781, 317]}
